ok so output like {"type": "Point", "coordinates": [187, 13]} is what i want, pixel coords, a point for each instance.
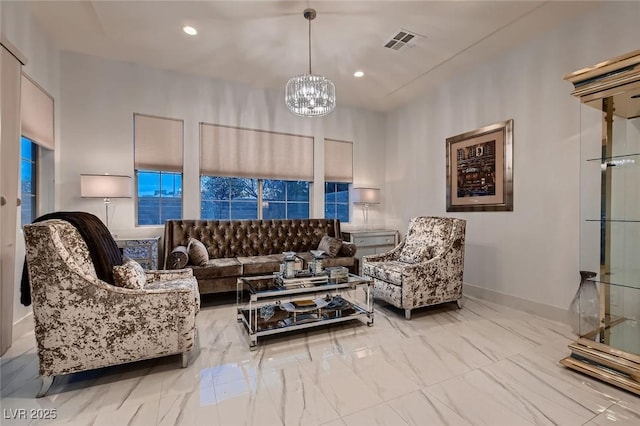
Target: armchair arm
{"type": "Point", "coordinates": [170, 274]}
{"type": "Point", "coordinates": [384, 257]}
{"type": "Point", "coordinates": [434, 281]}
{"type": "Point", "coordinates": [187, 283]}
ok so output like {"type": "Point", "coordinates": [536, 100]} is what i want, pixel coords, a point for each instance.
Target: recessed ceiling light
{"type": "Point", "coordinates": [358, 74]}
{"type": "Point", "coordinates": [189, 30]}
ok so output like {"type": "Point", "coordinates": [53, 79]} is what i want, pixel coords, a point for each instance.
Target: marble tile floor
{"type": "Point", "coordinates": [483, 365]}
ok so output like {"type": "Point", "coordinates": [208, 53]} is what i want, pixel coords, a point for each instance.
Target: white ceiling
{"type": "Point", "coordinates": [264, 43]}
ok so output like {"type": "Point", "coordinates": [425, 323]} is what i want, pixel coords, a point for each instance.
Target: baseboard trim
{"type": "Point", "coordinates": [546, 311]}
{"type": "Point", "coordinates": [22, 326]}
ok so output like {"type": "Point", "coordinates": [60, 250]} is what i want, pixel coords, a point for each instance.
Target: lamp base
{"type": "Point", "coordinates": [365, 215]}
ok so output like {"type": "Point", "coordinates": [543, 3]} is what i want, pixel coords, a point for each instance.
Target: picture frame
{"type": "Point", "coordinates": [480, 169]}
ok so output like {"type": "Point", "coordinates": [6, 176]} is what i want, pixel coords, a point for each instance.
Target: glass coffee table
{"type": "Point", "coordinates": [267, 307]}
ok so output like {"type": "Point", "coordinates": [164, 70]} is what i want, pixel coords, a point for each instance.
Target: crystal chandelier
{"type": "Point", "coordinates": [309, 95]}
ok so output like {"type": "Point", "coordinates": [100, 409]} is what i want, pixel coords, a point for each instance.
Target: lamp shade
{"type": "Point", "coordinates": [105, 186]}
{"type": "Point", "coordinates": [366, 196]}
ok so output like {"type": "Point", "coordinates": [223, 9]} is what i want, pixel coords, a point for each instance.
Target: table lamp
{"type": "Point", "coordinates": [105, 186]}
{"type": "Point", "coordinates": [366, 197]}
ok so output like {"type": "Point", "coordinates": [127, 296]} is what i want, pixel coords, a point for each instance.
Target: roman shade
{"type": "Point", "coordinates": [338, 161]}
{"type": "Point", "coordinates": [158, 143]}
{"type": "Point", "coordinates": [36, 108]}
{"type": "Point", "coordinates": [238, 152]}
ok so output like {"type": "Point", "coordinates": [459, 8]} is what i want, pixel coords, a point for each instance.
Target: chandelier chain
{"type": "Point", "coordinates": [309, 19]}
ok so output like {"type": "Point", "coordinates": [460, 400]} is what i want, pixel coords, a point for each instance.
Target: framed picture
{"type": "Point", "coordinates": [480, 169]}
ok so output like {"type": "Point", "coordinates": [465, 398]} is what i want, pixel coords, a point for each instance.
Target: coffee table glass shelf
{"type": "Point", "coordinates": [269, 306]}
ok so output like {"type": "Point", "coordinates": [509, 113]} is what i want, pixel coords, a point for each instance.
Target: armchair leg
{"type": "Point", "coordinates": [407, 314]}
{"type": "Point", "coordinates": [185, 359]}
{"type": "Point", "coordinates": [460, 303]}
{"type": "Point", "coordinates": [47, 381]}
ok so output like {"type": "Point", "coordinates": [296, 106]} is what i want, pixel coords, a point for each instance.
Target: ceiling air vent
{"type": "Point", "coordinates": [400, 39]}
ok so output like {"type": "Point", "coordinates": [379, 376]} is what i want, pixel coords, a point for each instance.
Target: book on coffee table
{"type": "Point", "coordinates": [304, 305]}
{"type": "Point", "coordinates": [302, 281]}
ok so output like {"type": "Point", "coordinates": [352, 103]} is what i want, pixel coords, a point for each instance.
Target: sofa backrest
{"type": "Point", "coordinates": [233, 238]}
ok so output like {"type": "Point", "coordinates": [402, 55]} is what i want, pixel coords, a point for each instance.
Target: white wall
{"type": "Point", "coordinates": [43, 65]}
{"type": "Point", "coordinates": [532, 253]}
{"type": "Point", "coordinates": [99, 98]}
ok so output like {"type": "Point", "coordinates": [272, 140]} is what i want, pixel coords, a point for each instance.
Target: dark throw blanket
{"type": "Point", "coordinates": [103, 250]}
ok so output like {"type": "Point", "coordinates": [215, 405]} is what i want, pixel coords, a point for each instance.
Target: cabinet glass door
{"type": "Point", "coordinates": [608, 346]}
{"type": "Point", "coordinates": [610, 228]}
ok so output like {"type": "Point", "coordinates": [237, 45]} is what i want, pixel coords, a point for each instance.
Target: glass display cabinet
{"type": "Point", "coordinates": [608, 346]}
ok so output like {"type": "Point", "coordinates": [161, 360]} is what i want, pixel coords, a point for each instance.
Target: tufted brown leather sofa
{"type": "Point", "coordinates": [251, 247]}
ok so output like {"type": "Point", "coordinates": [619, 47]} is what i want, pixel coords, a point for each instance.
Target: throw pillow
{"type": "Point", "coordinates": [331, 246]}
{"type": "Point", "coordinates": [178, 258]}
{"type": "Point", "coordinates": [348, 249]}
{"type": "Point", "coordinates": [129, 275]}
{"type": "Point", "coordinates": [414, 253]}
{"type": "Point", "coordinates": [197, 252]}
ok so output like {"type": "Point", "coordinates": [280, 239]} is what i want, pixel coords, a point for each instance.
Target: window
{"type": "Point", "coordinates": [240, 198]}
{"type": "Point", "coordinates": [336, 201]}
{"type": "Point", "coordinates": [285, 199]}
{"type": "Point", "coordinates": [338, 174]}
{"type": "Point", "coordinates": [158, 145]}
{"type": "Point", "coordinates": [228, 198]}
{"type": "Point", "coordinates": [159, 196]}
{"type": "Point", "coordinates": [28, 175]}
{"type": "Point", "coordinates": [279, 166]}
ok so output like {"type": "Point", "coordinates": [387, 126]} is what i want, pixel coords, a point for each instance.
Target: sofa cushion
{"type": "Point", "coordinates": [257, 265]}
{"type": "Point", "coordinates": [218, 268]}
{"type": "Point", "coordinates": [198, 254]}
{"type": "Point", "coordinates": [178, 259]}
{"type": "Point", "coordinates": [129, 275]}
{"type": "Point", "coordinates": [331, 246]}
{"type": "Point", "coordinates": [329, 262]}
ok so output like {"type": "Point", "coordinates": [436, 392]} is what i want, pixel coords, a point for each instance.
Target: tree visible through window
{"type": "Point", "coordinates": [159, 196]}
{"type": "Point", "coordinates": [238, 198]}
{"type": "Point", "coordinates": [28, 171]}
{"type": "Point", "coordinates": [228, 198]}
{"type": "Point", "coordinates": [283, 199]}
{"type": "Point", "coordinates": [336, 201]}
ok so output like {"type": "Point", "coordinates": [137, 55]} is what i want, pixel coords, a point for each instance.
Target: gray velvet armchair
{"type": "Point", "coordinates": [83, 323]}
{"type": "Point", "coordinates": [425, 269]}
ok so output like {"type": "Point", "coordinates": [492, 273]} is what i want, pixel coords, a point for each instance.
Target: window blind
{"type": "Point", "coordinates": [158, 143]}
{"type": "Point", "coordinates": [36, 108]}
{"type": "Point", "coordinates": [233, 151]}
{"type": "Point", "coordinates": [338, 161]}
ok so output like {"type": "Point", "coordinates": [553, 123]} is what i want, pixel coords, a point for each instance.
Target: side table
{"type": "Point", "coordinates": [142, 250]}
{"type": "Point", "coordinates": [371, 242]}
